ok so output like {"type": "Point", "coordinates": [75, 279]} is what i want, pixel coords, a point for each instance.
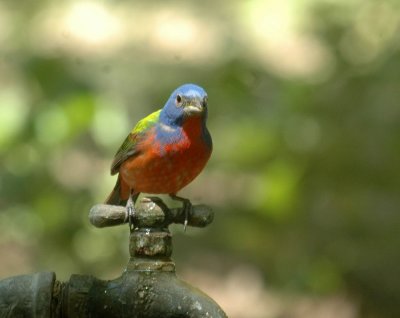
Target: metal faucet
{"type": "Point", "coordinates": [148, 287]}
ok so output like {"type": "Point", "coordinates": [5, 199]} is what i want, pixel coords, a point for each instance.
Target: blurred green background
{"type": "Point", "coordinates": [305, 116]}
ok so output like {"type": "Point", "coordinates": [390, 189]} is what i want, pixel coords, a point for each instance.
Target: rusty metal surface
{"type": "Point", "coordinates": [138, 294]}
{"type": "Point", "coordinates": [27, 295]}
{"type": "Point", "coordinates": [150, 213]}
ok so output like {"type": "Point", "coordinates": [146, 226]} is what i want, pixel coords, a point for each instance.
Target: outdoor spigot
{"type": "Point", "coordinates": [148, 287]}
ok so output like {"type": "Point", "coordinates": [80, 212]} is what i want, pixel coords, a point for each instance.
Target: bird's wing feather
{"type": "Point", "coordinates": [128, 147]}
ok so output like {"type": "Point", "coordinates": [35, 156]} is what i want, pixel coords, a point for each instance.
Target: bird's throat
{"type": "Point", "coordinates": [194, 126]}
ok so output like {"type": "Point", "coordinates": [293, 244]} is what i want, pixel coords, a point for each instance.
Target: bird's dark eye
{"type": "Point", "coordinates": [178, 99]}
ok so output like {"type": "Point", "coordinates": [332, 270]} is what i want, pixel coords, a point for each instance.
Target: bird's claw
{"type": "Point", "coordinates": [187, 208]}
{"type": "Point", "coordinates": [130, 209]}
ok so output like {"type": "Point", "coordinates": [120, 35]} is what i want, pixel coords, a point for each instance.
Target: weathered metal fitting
{"type": "Point", "coordinates": [148, 243]}
{"type": "Point", "coordinates": [145, 264]}
{"type": "Point", "coordinates": [150, 213]}
{"type": "Point", "coordinates": [27, 295]}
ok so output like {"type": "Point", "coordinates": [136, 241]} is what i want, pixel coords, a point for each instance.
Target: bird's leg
{"type": "Point", "coordinates": [130, 208]}
{"type": "Point", "coordinates": [187, 207]}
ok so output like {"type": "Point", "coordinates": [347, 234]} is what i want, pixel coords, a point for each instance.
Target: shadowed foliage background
{"type": "Point", "coordinates": [304, 113]}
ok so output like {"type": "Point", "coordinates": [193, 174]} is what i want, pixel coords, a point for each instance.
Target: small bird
{"type": "Point", "coordinates": [165, 151]}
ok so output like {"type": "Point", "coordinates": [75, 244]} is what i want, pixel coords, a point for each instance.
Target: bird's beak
{"type": "Point", "coordinates": [194, 107]}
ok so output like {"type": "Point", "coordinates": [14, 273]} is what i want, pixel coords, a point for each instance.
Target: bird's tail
{"type": "Point", "coordinates": [115, 196]}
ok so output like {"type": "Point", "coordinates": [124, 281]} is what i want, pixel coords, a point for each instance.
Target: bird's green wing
{"type": "Point", "coordinates": [128, 147]}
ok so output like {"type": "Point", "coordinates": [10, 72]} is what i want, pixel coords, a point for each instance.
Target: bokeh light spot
{"type": "Point", "coordinates": [109, 126]}
{"type": "Point", "coordinates": [13, 112]}
{"type": "Point", "coordinates": [51, 125]}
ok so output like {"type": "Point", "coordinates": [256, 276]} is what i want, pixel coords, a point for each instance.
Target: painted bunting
{"type": "Point", "coordinates": [166, 150]}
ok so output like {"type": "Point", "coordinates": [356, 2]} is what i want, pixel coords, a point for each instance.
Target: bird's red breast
{"type": "Point", "coordinates": [161, 167]}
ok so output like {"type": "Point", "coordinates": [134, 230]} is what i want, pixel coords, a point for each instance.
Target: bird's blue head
{"type": "Point", "coordinates": [188, 100]}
